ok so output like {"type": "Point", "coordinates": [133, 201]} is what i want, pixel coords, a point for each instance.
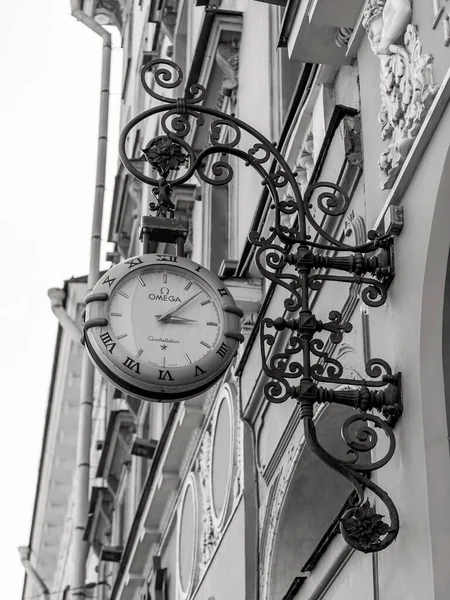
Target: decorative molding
{"type": "Point", "coordinates": [191, 552]}
{"type": "Point", "coordinates": [225, 397]}
{"type": "Point", "coordinates": [356, 226]}
{"type": "Point", "coordinates": [305, 163]}
{"type": "Point", "coordinates": [168, 509]}
{"type": "Point", "coordinates": [238, 485]}
{"type": "Point", "coordinates": [407, 87]}
{"type": "Point", "coordinates": [269, 471]}
{"type": "Point", "coordinates": [265, 520]}
{"type": "Point", "coordinates": [209, 534]}
{"type": "Point", "coordinates": [343, 35]}
{"type": "Point", "coordinates": [212, 526]}
{"type": "Point", "coordinates": [190, 449]}
{"type": "Point", "coordinates": [282, 483]}
{"type": "Point", "coordinates": [210, 397]}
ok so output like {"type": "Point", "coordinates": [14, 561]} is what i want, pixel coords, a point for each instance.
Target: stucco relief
{"type": "Point", "coordinates": [225, 429]}
{"type": "Point", "coordinates": [407, 87]}
{"type": "Point", "coordinates": [190, 449]}
{"type": "Point", "coordinates": [238, 485]}
{"type": "Point", "coordinates": [209, 534]}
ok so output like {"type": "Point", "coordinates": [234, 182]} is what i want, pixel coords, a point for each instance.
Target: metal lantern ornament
{"type": "Point", "coordinates": [297, 251]}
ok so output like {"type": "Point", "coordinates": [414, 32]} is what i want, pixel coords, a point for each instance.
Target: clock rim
{"type": "Point", "coordinates": [148, 388]}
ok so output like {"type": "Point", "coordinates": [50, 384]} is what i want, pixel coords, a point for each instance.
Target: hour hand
{"type": "Point", "coordinates": [175, 319]}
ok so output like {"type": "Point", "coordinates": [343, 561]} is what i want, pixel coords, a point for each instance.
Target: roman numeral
{"type": "Point", "coordinates": [166, 258]}
{"type": "Point", "coordinates": [223, 292]}
{"type": "Point", "coordinates": [198, 269]}
{"type": "Point", "coordinates": [134, 262]}
{"type": "Point", "coordinates": [109, 281]}
{"type": "Point", "coordinates": [222, 350]}
{"type": "Point", "coordinates": [132, 365]}
{"type": "Point", "coordinates": [198, 371]}
{"type": "Point", "coordinates": [165, 375]}
{"type": "Point", "coordinates": [108, 341]}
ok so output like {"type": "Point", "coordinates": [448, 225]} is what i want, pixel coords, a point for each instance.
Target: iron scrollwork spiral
{"type": "Point", "coordinates": [361, 526]}
{"type": "Point", "coordinates": [296, 248]}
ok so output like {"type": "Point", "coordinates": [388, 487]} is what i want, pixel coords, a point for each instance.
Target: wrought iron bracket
{"type": "Point", "coordinates": [378, 264]}
{"type": "Point", "coordinates": [386, 401]}
{"type": "Point", "coordinates": [297, 250]}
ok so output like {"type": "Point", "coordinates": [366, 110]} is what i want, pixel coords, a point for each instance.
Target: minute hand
{"type": "Point", "coordinates": [176, 308]}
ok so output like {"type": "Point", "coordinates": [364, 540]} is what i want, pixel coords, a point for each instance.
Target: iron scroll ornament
{"type": "Point", "coordinates": [298, 253]}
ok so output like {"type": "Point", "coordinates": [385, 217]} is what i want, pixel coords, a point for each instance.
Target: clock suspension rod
{"type": "Point", "coordinates": [166, 230]}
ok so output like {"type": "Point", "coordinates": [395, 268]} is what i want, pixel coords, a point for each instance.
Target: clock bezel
{"type": "Point", "coordinates": [146, 384]}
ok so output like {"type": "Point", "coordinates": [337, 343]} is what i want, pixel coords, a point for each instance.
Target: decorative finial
{"type": "Point", "coordinates": [164, 155]}
{"type": "Point", "coordinates": [364, 526]}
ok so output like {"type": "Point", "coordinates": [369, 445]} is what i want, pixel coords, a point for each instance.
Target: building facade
{"type": "Point", "coordinates": [52, 522]}
{"type": "Point", "coordinates": [220, 497]}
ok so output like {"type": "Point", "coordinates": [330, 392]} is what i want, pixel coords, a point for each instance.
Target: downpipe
{"type": "Point", "coordinates": [57, 297]}
{"type": "Point", "coordinates": [80, 546]}
{"type": "Point", "coordinates": [31, 572]}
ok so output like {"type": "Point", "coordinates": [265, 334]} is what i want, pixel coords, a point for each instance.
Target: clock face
{"type": "Point", "coordinates": [165, 316]}
{"type": "Point", "coordinates": [161, 327]}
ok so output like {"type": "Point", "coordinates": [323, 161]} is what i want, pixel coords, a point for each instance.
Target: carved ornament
{"type": "Point", "coordinates": [305, 164]}
{"type": "Point", "coordinates": [407, 87]}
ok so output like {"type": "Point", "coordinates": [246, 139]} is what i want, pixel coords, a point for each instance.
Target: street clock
{"type": "Point", "coordinates": [161, 327]}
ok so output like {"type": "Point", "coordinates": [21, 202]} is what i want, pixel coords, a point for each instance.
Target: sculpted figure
{"type": "Point", "coordinates": [386, 21]}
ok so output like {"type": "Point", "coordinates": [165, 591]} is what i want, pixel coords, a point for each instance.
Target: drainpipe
{"type": "Point", "coordinates": [57, 296]}
{"type": "Point", "coordinates": [31, 572]}
{"type": "Point", "coordinates": [80, 546]}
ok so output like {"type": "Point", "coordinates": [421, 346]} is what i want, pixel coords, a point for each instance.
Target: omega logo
{"type": "Point", "coordinates": [165, 296]}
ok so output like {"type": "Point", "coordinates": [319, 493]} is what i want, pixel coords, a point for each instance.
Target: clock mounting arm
{"type": "Point", "coordinates": [297, 251]}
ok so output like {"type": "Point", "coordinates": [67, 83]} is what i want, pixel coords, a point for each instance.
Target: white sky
{"type": "Point", "coordinates": [50, 76]}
